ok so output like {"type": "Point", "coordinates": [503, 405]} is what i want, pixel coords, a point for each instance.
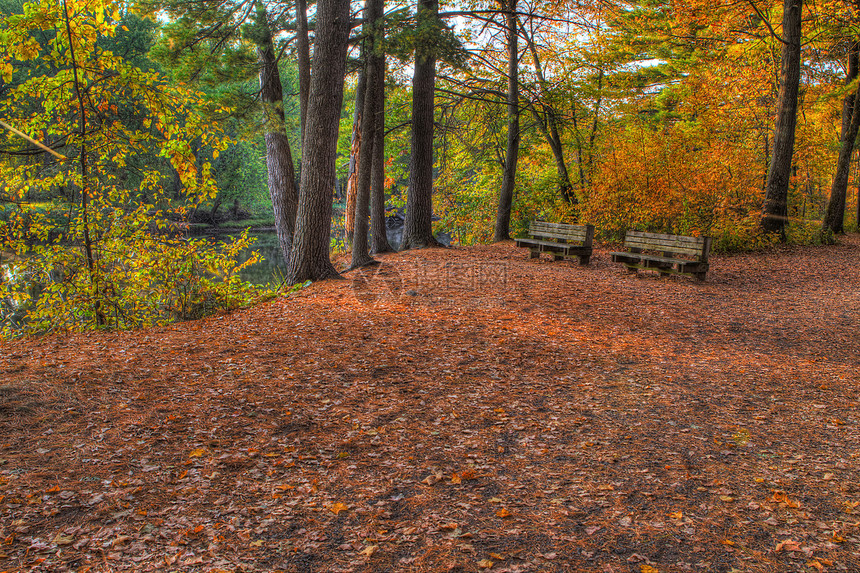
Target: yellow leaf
{"type": "Point", "coordinates": [258, 543]}
{"type": "Point", "coordinates": [496, 556]}
{"type": "Point", "coordinates": [647, 569]}
{"type": "Point", "coordinates": [503, 513]}
{"type": "Point", "coordinates": [485, 564]}
{"type": "Point", "coordinates": [198, 453]}
{"type": "Point", "coordinates": [337, 508]}
{"type": "Point", "coordinates": [455, 478]}
{"type": "Point", "coordinates": [726, 498]}
{"type": "Point", "coordinates": [676, 515]}
{"type": "Point", "coordinates": [368, 551]}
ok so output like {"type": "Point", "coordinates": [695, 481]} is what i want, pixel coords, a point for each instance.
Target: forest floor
{"type": "Point", "coordinates": [459, 409]}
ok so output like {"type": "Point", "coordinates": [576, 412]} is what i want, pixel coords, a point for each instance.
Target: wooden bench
{"type": "Point", "coordinates": [667, 254]}
{"type": "Point", "coordinates": [560, 240]}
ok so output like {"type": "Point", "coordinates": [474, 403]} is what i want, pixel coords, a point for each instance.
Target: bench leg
{"type": "Point", "coordinates": [533, 254]}
{"type": "Point", "coordinates": [584, 259]}
{"type": "Point", "coordinates": [631, 270]}
{"type": "Point", "coordinates": [700, 276]}
{"type": "Point", "coordinates": [557, 257]}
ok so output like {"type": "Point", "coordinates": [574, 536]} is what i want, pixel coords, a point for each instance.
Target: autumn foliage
{"type": "Point", "coordinates": [92, 232]}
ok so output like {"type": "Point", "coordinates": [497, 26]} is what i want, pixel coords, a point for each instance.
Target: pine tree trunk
{"type": "Point", "coordinates": [360, 246]}
{"type": "Point", "coordinates": [418, 226]}
{"type": "Point", "coordinates": [834, 218]}
{"type": "Point", "coordinates": [378, 231]}
{"type": "Point", "coordinates": [309, 259]}
{"type": "Point", "coordinates": [303, 60]}
{"type": "Point", "coordinates": [506, 193]}
{"type": "Point", "coordinates": [354, 154]}
{"type": "Point", "coordinates": [279, 159]}
{"type": "Point", "coordinates": [775, 212]}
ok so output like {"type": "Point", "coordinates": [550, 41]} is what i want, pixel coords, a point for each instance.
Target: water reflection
{"type": "Point", "coordinates": [272, 266]}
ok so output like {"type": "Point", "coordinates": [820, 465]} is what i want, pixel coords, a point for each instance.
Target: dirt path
{"type": "Point", "coordinates": [454, 410]}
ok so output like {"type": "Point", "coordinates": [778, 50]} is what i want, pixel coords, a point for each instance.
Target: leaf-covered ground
{"type": "Point", "coordinates": [454, 410]}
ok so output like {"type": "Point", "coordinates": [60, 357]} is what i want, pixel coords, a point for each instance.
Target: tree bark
{"type": "Point", "coordinates": [775, 211]}
{"type": "Point", "coordinates": [309, 258]}
{"type": "Point", "coordinates": [834, 217]}
{"type": "Point", "coordinates": [418, 226]}
{"type": "Point", "coordinates": [360, 245]}
{"type": "Point", "coordinates": [506, 193]}
{"type": "Point", "coordinates": [279, 158]}
{"type": "Point", "coordinates": [304, 61]}
{"type": "Point", "coordinates": [354, 153]}
{"type": "Point", "coordinates": [378, 231]}
{"type": "Point", "coordinates": [549, 129]}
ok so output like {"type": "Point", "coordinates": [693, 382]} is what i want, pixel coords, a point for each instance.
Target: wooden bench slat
{"type": "Point", "coordinates": [661, 236]}
{"type": "Point", "coordinates": [661, 251]}
{"type": "Point", "coordinates": [559, 239]}
{"type": "Point", "coordinates": [566, 236]}
{"type": "Point", "coordinates": [665, 248]}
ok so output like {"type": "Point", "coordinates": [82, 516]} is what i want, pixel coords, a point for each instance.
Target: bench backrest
{"type": "Point", "coordinates": [571, 233]}
{"type": "Point", "coordinates": [696, 248]}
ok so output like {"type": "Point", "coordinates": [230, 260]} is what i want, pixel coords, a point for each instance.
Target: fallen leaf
{"type": "Point", "coordinates": [503, 513]}
{"type": "Point", "coordinates": [336, 508]}
{"type": "Point", "coordinates": [369, 550]}
{"type": "Point", "coordinates": [198, 453]}
{"type": "Point", "coordinates": [485, 564]}
{"type": "Point", "coordinates": [643, 568]}
{"type": "Point", "coordinates": [64, 539]}
{"type": "Point", "coordinates": [787, 545]}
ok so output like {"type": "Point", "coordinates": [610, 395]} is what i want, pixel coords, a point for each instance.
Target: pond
{"type": "Point", "coordinates": [271, 269]}
{"type": "Point", "coordinates": [272, 266]}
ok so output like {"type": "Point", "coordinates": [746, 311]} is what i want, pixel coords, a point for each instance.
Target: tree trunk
{"type": "Point", "coordinates": [418, 226]}
{"type": "Point", "coordinates": [506, 193]}
{"type": "Point", "coordinates": [279, 158]}
{"type": "Point", "coordinates": [594, 125]}
{"type": "Point", "coordinates": [303, 60]}
{"type": "Point", "coordinates": [372, 42]}
{"type": "Point", "coordinates": [309, 259]}
{"type": "Point", "coordinates": [834, 218]}
{"type": "Point", "coordinates": [775, 212]}
{"type": "Point", "coordinates": [549, 129]}
{"type": "Point", "coordinates": [354, 153]}
{"type": "Point", "coordinates": [378, 231]}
